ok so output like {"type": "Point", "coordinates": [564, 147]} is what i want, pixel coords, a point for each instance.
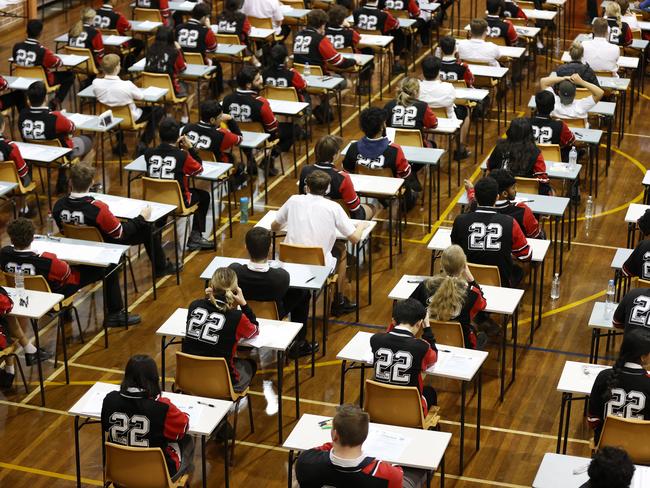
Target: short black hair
{"type": "Point", "coordinates": [169, 130]}
{"type": "Point", "coordinates": [316, 18]}
{"type": "Point", "coordinates": [544, 102]}
{"type": "Point", "coordinates": [318, 182]}
{"type": "Point", "coordinates": [34, 28]}
{"type": "Point", "coordinates": [337, 14]}
{"type": "Point", "coordinates": [447, 45]}
{"type": "Point", "coordinates": [210, 109]}
{"type": "Point", "coordinates": [503, 177]}
{"type": "Point", "coordinates": [372, 120]}
{"type": "Point", "coordinates": [246, 75]}
{"type": "Point", "coordinates": [21, 232]}
{"type": "Point", "coordinates": [409, 311]}
{"type": "Point", "coordinates": [610, 467]}
{"type": "Point", "coordinates": [430, 67]}
{"type": "Point", "coordinates": [36, 93]}
{"type": "Point", "coordinates": [493, 7]}
{"type": "Point", "coordinates": [278, 54]}
{"type": "Point", "coordinates": [200, 10]}
{"type": "Point", "coordinates": [487, 191]}
{"type": "Point", "coordinates": [258, 243]}
{"type": "Point", "coordinates": [141, 372]}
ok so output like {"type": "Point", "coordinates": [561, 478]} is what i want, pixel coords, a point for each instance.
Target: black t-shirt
{"type": "Point", "coordinates": [263, 286]}
{"type": "Point", "coordinates": [638, 264]}
{"type": "Point", "coordinates": [340, 37]}
{"type": "Point", "coordinates": [633, 309]}
{"type": "Point", "coordinates": [191, 36]}
{"type": "Point", "coordinates": [370, 18]}
{"type": "Point", "coordinates": [306, 47]}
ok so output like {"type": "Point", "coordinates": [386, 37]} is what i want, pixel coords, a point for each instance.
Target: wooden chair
{"type": "Point", "coordinates": [499, 41]}
{"type": "Point", "coordinates": [629, 434]}
{"type": "Point", "coordinates": [265, 310]}
{"type": "Point", "coordinates": [527, 185]}
{"type": "Point", "coordinates": [398, 405]}
{"type": "Point", "coordinates": [10, 352]}
{"type": "Point", "coordinates": [210, 377]}
{"type": "Point", "coordinates": [408, 137]}
{"type": "Point", "coordinates": [9, 173]}
{"type": "Point", "coordinates": [193, 58]}
{"type": "Point", "coordinates": [34, 72]}
{"type": "Point", "coordinates": [138, 467]}
{"type": "Point", "coordinates": [163, 80]}
{"type": "Point", "coordinates": [8, 114]}
{"type": "Point", "coordinates": [448, 333]}
{"type": "Point", "coordinates": [267, 147]}
{"type": "Point", "coordinates": [583, 92]}
{"type": "Point", "coordinates": [150, 14]}
{"type": "Point", "coordinates": [551, 152]}
{"type": "Point", "coordinates": [288, 93]}
{"type": "Point", "coordinates": [264, 23]}
{"type": "Point", "coordinates": [242, 57]}
{"type": "Point", "coordinates": [485, 274]}
{"type": "Point", "coordinates": [89, 68]}
{"type": "Point", "coordinates": [576, 123]}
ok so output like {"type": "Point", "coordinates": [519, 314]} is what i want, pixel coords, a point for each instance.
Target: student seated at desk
{"type": "Point", "coordinates": [139, 404]}
{"type": "Point", "coordinates": [327, 152]}
{"type": "Point", "coordinates": [567, 106]}
{"type": "Point", "coordinates": [547, 130]}
{"type": "Point", "coordinates": [83, 34]}
{"type": "Point", "coordinates": [10, 152]}
{"type": "Point", "coordinates": [619, 31]}
{"type": "Point", "coordinates": [400, 341]}
{"type": "Point", "coordinates": [176, 158]}
{"type": "Point", "coordinates": [271, 9]}
{"type": "Point", "coordinates": [338, 30]}
{"type": "Point", "coordinates": [599, 53]}
{"type": "Point", "coordinates": [638, 264]}
{"type": "Point", "coordinates": [633, 311]}
{"type": "Point", "coordinates": [112, 91]}
{"type": "Point", "coordinates": [519, 154]}
{"type": "Point", "coordinates": [312, 220]}
{"type": "Point", "coordinates": [61, 277]}
{"type": "Point", "coordinates": [406, 111]}
{"type": "Point", "coordinates": [489, 237]}
{"type": "Point", "coordinates": [623, 390]}
{"type": "Point", "coordinates": [13, 98]}
{"type": "Point", "coordinates": [278, 74]}
{"type": "Point", "coordinates": [216, 323]}
{"type": "Point", "coordinates": [452, 68]}
{"type": "Point", "coordinates": [80, 208]}
{"type": "Point", "coordinates": [454, 295]}
{"type": "Point", "coordinates": [498, 27]}
{"type": "Point", "coordinates": [110, 19]}
{"type": "Point", "coordinates": [261, 281]}
{"type": "Point", "coordinates": [30, 52]}
{"type": "Point", "coordinates": [628, 16]}
{"type": "Point", "coordinates": [371, 16]}
{"type": "Point", "coordinates": [39, 123]}
{"type": "Point", "coordinates": [232, 21]}
{"type": "Point", "coordinates": [477, 48]}
{"type": "Point", "coordinates": [165, 56]}
{"type": "Point", "coordinates": [161, 5]}
{"type": "Point", "coordinates": [576, 52]}
{"type": "Point", "coordinates": [512, 10]}
{"type": "Point", "coordinates": [342, 463]}
{"type": "Point", "coordinates": [196, 36]}
{"type": "Point", "coordinates": [610, 467]}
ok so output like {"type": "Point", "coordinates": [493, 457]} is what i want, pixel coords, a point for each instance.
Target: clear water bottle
{"type": "Point", "coordinates": [555, 287]}
{"type": "Point", "coordinates": [307, 70]}
{"type": "Point", "coordinates": [573, 158]}
{"type": "Point", "coordinates": [589, 213]}
{"type": "Point", "coordinates": [609, 298]}
{"type": "Point", "coordinates": [50, 225]}
{"type": "Point", "coordinates": [19, 280]}
{"type": "Point", "coordinates": [243, 207]}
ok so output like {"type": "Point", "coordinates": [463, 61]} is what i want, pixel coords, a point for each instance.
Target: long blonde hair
{"type": "Point", "coordinates": [613, 9]}
{"type": "Point", "coordinates": [87, 17]}
{"type": "Point", "coordinates": [224, 285]}
{"type": "Point", "coordinates": [409, 91]}
{"type": "Point", "coordinates": [450, 286]}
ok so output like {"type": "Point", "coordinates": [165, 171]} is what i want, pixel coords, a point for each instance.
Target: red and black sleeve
{"type": "Point", "coordinates": [122, 24]}
{"type": "Point", "coordinates": [618, 319]}
{"type": "Point", "coordinates": [298, 82]}
{"type": "Point", "coordinates": [402, 166]}
{"type": "Point", "coordinates": [98, 46]}
{"type": "Point", "coordinates": [191, 166]}
{"type": "Point", "coordinates": [176, 421]}
{"type": "Point", "coordinates": [3, 83]}
{"type": "Point", "coordinates": [107, 222]}
{"type": "Point", "coordinates": [164, 10]}
{"type": "Point", "coordinates": [63, 124]}
{"type": "Point", "coordinates": [268, 117]}
{"type": "Point", "coordinates": [539, 168]}
{"type": "Point", "coordinates": [247, 326]}
{"type": "Point", "coordinates": [394, 475]}
{"type": "Point", "coordinates": [531, 225]}
{"type": "Point", "coordinates": [51, 60]}
{"type": "Point", "coordinates": [521, 14]}
{"type": "Point", "coordinates": [331, 56]}
{"type": "Point", "coordinates": [430, 119]}
{"type": "Point", "coordinates": [245, 31]}
{"type": "Point", "coordinates": [478, 298]}
{"type": "Point", "coordinates": [356, 37]}
{"type": "Point", "coordinates": [179, 64]}
{"type": "Point", "coordinates": [627, 34]}
{"type": "Point", "coordinates": [60, 272]}
{"type": "Point", "coordinates": [390, 24]}
{"type": "Point", "coordinates": [17, 158]}
{"type": "Point", "coordinates": [210, 41]}
{"type": "Point", "coordinates": [413, 8]}
{"type": "Point", "coordinates": [468, 76]}
{"type": "Point", "coordinates": [229, 139]}
{"type": "Point", "coordinates": [512, 33]}
{"type": "Point", "coordinates": [566, 135]}
{"type": "Point", "coordinates": [348, 193]}
{"type": "Point", "coordinates": [520, 248]}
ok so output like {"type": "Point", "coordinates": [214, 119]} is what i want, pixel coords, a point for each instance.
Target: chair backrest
{"type": "Point", "coordinates": [151, 14]}
{"type": "Point", "coordinates": [576, 123]}
{"type": "Point", "coordinates": [440, 112]}
{"type": "Point", "coordinates": [314, 70]}
{"type": "Point", "coordinates": [123, 112]}
{"type": "Point", "coordinates": [203, 376]}
{"type": "Point", "coordinates": [159, 80]}
{"type": "Point", "coordinates": [448, 333]}
{"type": "Point", "coordinates": [207, 155]}
{"type": "Point", "coordinates": [485, 274]}
{"type": "Point", "coordinates": [228, 38]}
{"type": "Point", "coordinates": [32, 282]}
{"type": "Point", "coordinates": [393, 405]}
{"type": "Point", "coordinates": [551, 152]}
{"type": "Point", "coordinates": [265, 310]}
{"type": "Point", "coordinates": [583, 92]}
{"type": "Point", "coordinates": [31, 72]}
{"type": "Point", "coordinates": [260, 23]}
{"type": "Point", "coordinates": [83, 232]}
{"type": "Point", "coordinates": [193, 58]}
{"type": "Point", "coordinates": [399, 14]}
{"type": "Point", "coordinates": [162, 191]}
{"type": "Point", "coordinates": [518, 21]}
{"type": "Point", "coordinates": [528, 185]}
{"type": "Point", "coordinates": [637, 34]}
{"type": "Point", "coordinates": [629, 434]}
{"type": "Point", "coordinates": [499, 41]}
{"type": "Point", "coordinates": [458, 83]}
{"type": "Point", "coordinates": [90, 66]}
{"type": "Point", "coordinates": [408, 137]}
{"type": "Point", "coordinates": [141, 467]}
{"type": "Point", "coordinates": [8, 172]}
{"type": "Point", "coordinates": [295, 253]}
{"type": "Point", "coordinates": [288, 93]}
{"type": "Point", "coordinates": [526, 4]}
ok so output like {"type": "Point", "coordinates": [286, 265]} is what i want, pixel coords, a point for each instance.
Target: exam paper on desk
{"type": "Point", "coordinates": [383, 444]}
{"type": "Point", "coordinates": [190, 407]}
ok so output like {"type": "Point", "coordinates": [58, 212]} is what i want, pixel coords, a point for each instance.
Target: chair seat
{"type": "Point", "coordinates": [185, 211]}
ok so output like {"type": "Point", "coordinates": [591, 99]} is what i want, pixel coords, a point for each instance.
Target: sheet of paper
{"type": "Point", "coordinates": [390, 133]}
{"type": "Point", "coordinates": [21, 83]}
{"type": "Point", "coordinates": [299, 274]}
{"type": "Point", "coordinates": [79, 119]}
{"type": "Point", "coordinates": [154, 92]}
{"type": "Point", "coordinates": [190, 407]}
{"type": "Point", "coordinates": [641, 477]}
{"type": "Point", "coordinates": [70, 252]}
{"type": "Point", "coordinates": [383, 444]}
{"type": "Point", "coordinates": [93, 404]}
{"type": "Point", "coordinates": [147, 24]}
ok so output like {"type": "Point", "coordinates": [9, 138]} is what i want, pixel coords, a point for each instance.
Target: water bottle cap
{"type": "Point", "coordinates": [243, 199]}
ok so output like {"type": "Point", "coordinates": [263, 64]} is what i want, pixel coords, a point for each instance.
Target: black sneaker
{"type": "Point", "coordinates": [398, 69]}
{"type": "Point", "coordinates": [224, 431]}
{"type": "Point", "coordinates": [490, 327]}
{"type": "Point", "coordinates": [34, 357]}
{"type": "Point", "coordinates": [343, 306]}
{"type": "Point", "coordinates": [6, 380]}
{"type": "Point", "coordinates": [169, 269]}
{"type": "Point", "coordinates": [199, 243]}
{"type": "Point", "coordinates": [273, 171]}
{"type": "Point", "coordinates": [116, 319]}
{"type": "Point", "coordinates": [481, 341]}
{"type": "Point", "coordinates": [302, 348]}
{"type": "Point", "coordinates": [463, 154]}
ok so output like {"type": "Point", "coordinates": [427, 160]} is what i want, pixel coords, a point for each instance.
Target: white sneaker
{"type": "Point", "coordinates": [271, 398]}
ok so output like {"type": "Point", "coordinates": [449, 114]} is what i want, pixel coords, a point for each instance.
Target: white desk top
{"type": "Point", "coordinates": [385, 186]}
{"type": "Point", "coordinates": [578, 377]}
{"type": "Point", "coordinates": [151, 94]}
{"type": "Point", "coordinates": [228, 49]}
{"type": "Point", "coordinates": [108, 40]}
{"type": "Point", "coordinates": [19, 82]}
{"type": "Point", "coordinates": [323, 82]}
{"type": "Point", "coordinates": [646, 178]}
{"type": "Point", "coordinates": [191, 71]}
{"type": "Point", "coordinates": [369, 40]}
{"type": "Point", "coordinates": [557, 471]}
{"type": "Point", "coordinates": [534, 14]}
{"type": "Point", "coordinates": [634, 212]}
{"type": "Point", "coordinates": [91, 123]}
{"type": "Point", "coordinates": [294, 13]}
{"type": "Point", "coordinates": [560, 170]}
{"type": "Point", "coordinates": [644, 25]}
{"type": "Point", "coordinates": [441, 240]}
{"type": "Point", "coordinates": [511, 52]}
{"type": "Point", "coordinates": [6, 187]}
{"type": "Point", "coordinates": [41, 153]}
{"type": "Point", "coordinates": [182, 6]}
{"type": "Point", "coordinates": [539, 204]}
{"type": "Point", "coordinates": [273, 334]}
{"type": "Point", "coordinates": [488, 71]}
{"type": "Point", "coordinates": [301, 276]}
{"type": "Point", "coordinates": [599, 318]}
{"type": "Point", "coordinates": [78, 251]}
{"type": "Point", "coordinates": [453, 362]}
{"type": "Point", "coordinates": [144, 25]}
{"type": "Point", "coordinates": [525, 31]}
{"type": "Point", "coordinates": [621, 255]}
{"type": "Point", "coordinates": [415, 448]}
{"type": "Point", "coordinates": [130, 208]}
{"type": "Point", "coordinates": [429, 7]}
{"type": "Point", "coordinates": [203, 418]}
{"type": "Point", "coordinates": [362, 59]}
{"type": "Point", "coordinates": [38, 303]}
{"type": "Point", "coordinates": [406, 23]}
{"type": "Point", "coordinates": [212, 171]}
{"type": "Point", "coordinates": [590, 136]}
{"type": "Point", "coordinates": [257, 33]}
{"type": "Point", "coordinates": [474, 94]}
{"type": "Point", "coordinates": [422, 155]}
{"type": "Point", "coordinates": [283, 107]}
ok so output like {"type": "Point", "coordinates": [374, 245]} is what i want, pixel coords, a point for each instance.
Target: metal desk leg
{"type": "Point", "coordinates": [560, 427]}
{"type": "Point", "coordinates": [297, 380]}
{"type": "Point", "coordinates": [77, 450]}
{"type": "Point", "coordinates": [313, 331]}
{"type": "Point", "coordinates": [390, 234]}
{"type": "Point", "coordinates": [532, 308]}
{"type": "Point", "coordinates": [226, 459]}
{"type": "Point", "coordinates": [567, 422]}
{"type": "Point", "coordinates": [342, 392]}
{"type": "Point", "coordinates": [280, 361]}
{"type": "Point", "coordinates": [503, 359]}
{"type": "Point", "coordinates": [204, 481]}
{"type": "Point", "coordinates": [38, 363]}
{"type": "Point", "coordinates": [357, 248]}
{"type": "Point", "coordinates": [478, 409]}
{"type": "Point", "coordinates": [362, 381]}
{"type": "Point", "coordinates": [290, 469]}
{"type": "Point", "coordinates": [462, 426]}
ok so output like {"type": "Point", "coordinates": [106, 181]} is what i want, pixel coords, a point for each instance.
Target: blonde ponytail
{"type": "Point", "coordinates": [409, 91]}
{"type": "Point", "coordinates": [76, 29]}
{"type": "Point", "coordinates": [88, 17]}
{"type": "Point", "coordinates": [223, 284]}
{"type": "Point", "coordinates": [613, 9]}
{"type": "Point", "coordinates": [448, 299]}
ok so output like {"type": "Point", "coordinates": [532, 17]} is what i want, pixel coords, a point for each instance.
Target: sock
{"type": "Point", "coordinates": [29, 348]}
{"type": "Point", "coordinates": [10, 369]}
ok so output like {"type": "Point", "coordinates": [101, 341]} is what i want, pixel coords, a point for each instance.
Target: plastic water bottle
{"type": "Point", "coordinates": [573, 158]}
{"type": "Point", "coordinates": [307, 70]}
{"type": "Point", "coordinates": [589, 213]}
{"type": "Point", "coordinates": [555, 287]}
{"type": "Point", "coordinates": [609, 298]}
{"type": "Point", "coordinates": [50, 225]}
{"type": "Point", "coordinates": [243, 207]}
{"type": "Point", "coordinates": [19, 280]}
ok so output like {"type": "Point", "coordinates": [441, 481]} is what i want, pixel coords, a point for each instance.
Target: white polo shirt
{"type": "Point", "coordinates": [478, 50]}
{"type": "Point", "coordinates": [112, 91]}
{"type": "Point", "coordinates": [313, 220]}
{"type": "Point", "coordinates": [439, 94]}
{"type": "Point", "coordinates": [265, 9]}
{"type": "Point", "coordinates": [579, 109]}
{"type": "Point", "coordinates": [601, 54]}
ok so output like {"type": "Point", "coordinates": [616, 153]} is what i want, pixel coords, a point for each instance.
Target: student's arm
{"type": "Point", "coordinates": [627, 35]}
{"type": "Point", "coordinates": [596, 91]}
{"type": "Point", "coordinates": [247, 328]}
{"type": "Point", "coordinates": [122, 24]}
{"type": "Point", "coordinates": [191, 166]}
{"type": "Point", "coordinates": [512, 34]}
{"type": "Point", "coordinates": [349, 194]}
{"type": "Point", "coordinates": [566, 135]}
{"type": "Point", "coordinates": [468, 76]}
{"type": "Point", "coordinates": [3, 85]}
{"type": "Point", "coordinates": [596, 404]}
{"type": "Point", "coordinates": [520, 248]}
{"type": "Point", "coordinates": [164, 10]}
{"type": "Point", "coordinates": [431, 355]}
{"type": "Point", "coordinates": [539, 168]}
{"type": "Point", "coordinates": [551, 81]}
{"type": "Point", "coordinates": [280, 218]}
{"type": "Point", "coordinates": [618, 319]}
{"type": "Point", "coordinates": [634, 265]}
{"type": "Point", "coordinates": [63, 125]}
{"type": "Point", "coordinates": [478, 298]}
{"type": "Point", "coordinates": [107, 222]}
{"type": "Point", "coordinates": [349, 164]}
{"type": "Point", "coordinates": [430, 119]}
{"type": "Point", "coordinates": [331, 56]}
{"type": "Point", "coordinates": [229, 140]}
{"type": "Point", "coordinates": [268, 117]}
{"type": "Point", "coordinates": [176, 422]}
{"type": "Point", "coordinates": [51, 60]}
{"type": "Point", "coordinates": [98, 46]}
{"type": "Point", "coordinates": [60, 271]}
{"type": "Point", "coordinates": [414, 9]}
{"type": "Point", "coordinates": [135, 91]}
{"type": "Point", "coordinates": [402, 166]}
{"type": "Point", "coordinates": [391, 23]}
{"type": "Point", "coordinates": [210, 41]}
{"type": "Point", "coordinates": [19, 162]}
{"type": "Point", "coordinates": [531, 225]}
{"type": "Point", "coordinates": [297, 81]}
{"type": "Point", "coordinates": [179, 64]}
{"type": "Point", "coordinates": [356, 38]}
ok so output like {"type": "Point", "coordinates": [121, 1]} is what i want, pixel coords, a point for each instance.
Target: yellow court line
{"type": "Point", "coordinates": [49, 474]}
{"type": "Point", "coordinates": [97, 368]}
{"type": "Point", "coordinates": [568, 306]}
{"type": "Point", "coordinates": [291, 368]}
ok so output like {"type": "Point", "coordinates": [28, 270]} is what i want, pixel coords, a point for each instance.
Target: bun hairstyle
{"type": "Point", "coordinates": [224, 285]}
{"type": "Point", "coordinates": [449, 288]}
{"type": "Point", "coordinates": [409, 91]}
{"type": "Point", "coordinates": [613, 9]}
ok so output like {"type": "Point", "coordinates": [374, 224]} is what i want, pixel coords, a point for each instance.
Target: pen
{"type": "Point", "coordinates": [414, 281]}
{"type": "Point", "coordinates": [206, 404]}
{"type": "Point", "coordinates": [310, 279]}
{"type": "Point", "coordinates": [526, 201]}
{"type": "Point", "coordinates": [444, 350]}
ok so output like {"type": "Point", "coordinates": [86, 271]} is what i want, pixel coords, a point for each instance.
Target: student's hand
{"type": "Point", "coordinates": [209, 292]}
{"type": "Point", "coordinates": [359, 62]}
{"type": "Point", "coordinates": [239, 297]}
{"type": "Point", "coordinates": [468, 274]}
{"type": "Point", "coordinates": [177, 46]}
{"type": "Point", "coordinates": [577, 79]}
{"type": "Point", "coordinates": [425, 321]}
{"type": "Point", "coordinates": [185, 142]}
{"type": "Point", "coordinates": [468, 185]}
{"type": "Point", "coordinates": [145, 213]}
{"type": "Point", "coordinates": [226, 117]}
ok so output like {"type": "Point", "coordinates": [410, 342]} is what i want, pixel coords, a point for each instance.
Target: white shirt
{"type": "Point", "coordinates": [115, 92]}
{"type": "Point", "coordinates": [262, 9]}
{"type": "Point", "coordinates": [579, 109]}
{"type": "Point", "coordinates": [439, 94]}
{"type": "Point", "coordinates": [313, 220]}
{"type": "Point", "coordinates": [478, 50]}
{"type": "Point", "coordinates": [601, 54]}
